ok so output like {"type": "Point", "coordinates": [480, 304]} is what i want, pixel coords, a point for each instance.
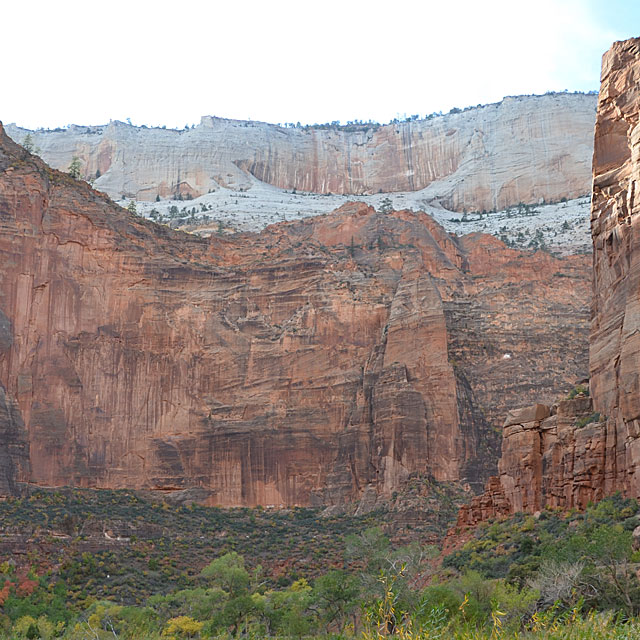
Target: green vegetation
{"type": "Point", "coordinates": [114, 564]}
{"type": "Point", "coordinates": [584, 559]}
{"type": "Point", "coordinates": [583, 422]}
{"type": "Point", "coordinates": [75, 168]}
{"type": "Point", "coordinates": [578, 390]}
{"type": "Point", "coordinates": [27, 143]}
{"type": "Point", "coordinates": [386, 206]}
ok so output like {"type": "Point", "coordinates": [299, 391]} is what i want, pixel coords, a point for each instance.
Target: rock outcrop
{"type": "Point", "coordinates": [552, 457]}
{"type": "Point", "coordinates": [523, 149]}
{"type": "Point", "coordinates": [309, 364]}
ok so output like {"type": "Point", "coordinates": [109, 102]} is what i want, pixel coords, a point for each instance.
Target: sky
{"type": "Point", "coordinates": [168, 63]}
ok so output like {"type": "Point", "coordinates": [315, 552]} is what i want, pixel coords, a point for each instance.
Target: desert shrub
{"type": "Point", "coordinates": [581, 389]}
{"type": "Point", "coordinates": [584, 421]}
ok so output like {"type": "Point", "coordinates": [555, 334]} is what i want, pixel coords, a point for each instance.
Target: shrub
{"type": "Point", "coordinates": [583, 422]}
{"type": "Point", "coordinates": [580, 389]}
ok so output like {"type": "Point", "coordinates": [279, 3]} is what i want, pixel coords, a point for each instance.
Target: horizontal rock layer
{"type": "Point", "coordinates": [308, 364]}
{"type": "Point", "coordinates": [523, 149]}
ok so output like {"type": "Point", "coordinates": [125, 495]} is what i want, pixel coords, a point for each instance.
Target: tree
{"type": "Point", "coordinates": [228, 573]}
{"type": "Point", "coordinates": [386, 206]}
{"type": "Point", "coordinates": [75, 167]}
{"type": "Point", "coordinates": [605, 550]}
{"type": "Point", "coordinates": [336, 593]}
{"type": "Point", "coordinates": [556, 581]}
{"type": "Point", "coordinates": [182, 627]}
{"type": "Point", "coordinates": [131, 207]}
{"type": "Point", "coordinates": [352, 248]}
{"type": "Point", "coordinates": [286, 612]}
{"type": "Point", "coordinates": [610, 547]}
{"type": "Point", "coordinates": [235, 613]}
{"type": "Point", "coordinates": [27, 143]}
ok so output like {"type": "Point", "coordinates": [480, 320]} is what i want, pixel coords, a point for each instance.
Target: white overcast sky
{"type": "Point", "coordinates": [168, 63]}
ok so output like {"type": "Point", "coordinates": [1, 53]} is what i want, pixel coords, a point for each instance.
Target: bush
{"type": "Point", "coordinates": [583, 422]}
{"type": "Point", "coordinates": [580, 389]}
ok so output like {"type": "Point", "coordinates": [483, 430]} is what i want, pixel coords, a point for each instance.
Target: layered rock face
{"type": "Point", "coordinates": [308, 364]}
{"type": "Point", "coordinates": [559, 461]}
{"type": "Point", "coordinates": [615, 224]}
{"type": "Point", "coordinates": [523, 149]}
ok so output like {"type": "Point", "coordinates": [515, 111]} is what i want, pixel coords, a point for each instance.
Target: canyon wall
{"type": "Point", "coordinates": [614, 350]}
{"type": "Point", "coordinates": [523, 149]}
{"type": "Point", "coordinates": [552, 457]}
{"type": "Point", "coordinates": [304, 365]}
{"type": "Point", "coordinates": [587, 448]}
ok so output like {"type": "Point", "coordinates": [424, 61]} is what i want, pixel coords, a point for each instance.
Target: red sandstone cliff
{"type": "Point", "coordinates": [556, 460]}
{"type": "Point", "coordinates": [298, 366]}
{"type": "Point", "coordinates": [550, 458]}
{"type": "Point", "coordinates": [614, 350]}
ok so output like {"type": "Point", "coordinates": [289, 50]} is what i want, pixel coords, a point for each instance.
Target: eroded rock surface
{"type": "Point", "coordinates": [523, 149]}
{"type": "Point", "coordinates": [315, 363]}
{"type": "Point", "coordinates": [615, 223]}
{"type": "Point", "coordinates": [590, 447]}
{"type": "Point", "coordinates": [551, 457]}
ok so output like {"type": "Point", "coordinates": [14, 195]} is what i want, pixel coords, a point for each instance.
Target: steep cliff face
{"type": "Point", "coordinates": [522, 149]}
{"type": "Point", "coordinates": [615, 224]}
{"type": "Point", "coordinates": [557, 460]}
{"type": "Point", "coordinates": [302, 365]}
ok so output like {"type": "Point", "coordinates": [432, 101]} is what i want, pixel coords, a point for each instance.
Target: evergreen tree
{"type": "Point", "coordinates": [27, 143]}
{"type": "Point", "coordinates": [75, 167]}
{"type": "Point", "coordinates": [386, 206]}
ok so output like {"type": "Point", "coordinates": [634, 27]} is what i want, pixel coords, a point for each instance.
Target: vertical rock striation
{"type": "Point", "coordinates": [313, 363]}
{"type": "Point", "coordinates": [552, 457]}
{"type": "Point", "coordinates": [522, 149]}
{"type": "Point", "coordinates": [590, 447]}
{"type": "Point", "coordinates": [615, 224]}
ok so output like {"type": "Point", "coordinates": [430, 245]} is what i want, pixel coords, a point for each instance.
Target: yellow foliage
{"type": "Point", "coordinates": [300, 585]}
{"type": "Point", "coordinates": [182, 627]}
{"type": "Point", "coordinates": [22, 625]}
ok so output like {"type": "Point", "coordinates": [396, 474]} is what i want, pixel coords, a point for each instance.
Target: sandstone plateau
{"type": "Point", "coordinates": [308, 364]}
{"type": "Point", "coordinates": [557, 460]}
{"type": "Point", "coordinates": [523, 149]}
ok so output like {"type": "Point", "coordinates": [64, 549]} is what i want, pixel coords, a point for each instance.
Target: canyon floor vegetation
{"type": "Point", "coordinates": [105, 564]}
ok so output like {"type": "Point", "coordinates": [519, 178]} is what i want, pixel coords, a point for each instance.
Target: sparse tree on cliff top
{"type": "Point", "coordinates": [75, 167]}
{"type": "Point", "coordinates": [386, 206]}
{"type": "Point", "coordinates": [27, 143]}
{"type": "Point", "coordinates": [131, 207]}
